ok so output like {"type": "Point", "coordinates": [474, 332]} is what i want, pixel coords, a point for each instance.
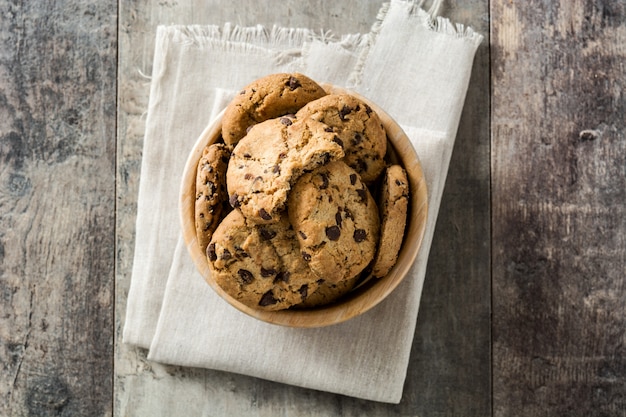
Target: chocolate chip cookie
{"type": "Point", "coordinates": [394, 202]}
{"type": "Point", "coordinates": [259, 265]}
{"type": "Point", "coordinates": [327, 293]}
{"type": "Point", "coordinates": [358, 129]}
{"type": "Point", "coordinates": [211, 194]}
{"type": "Point", "coordinates": [336, 221]}
{"type": "Point", "coordinates": [266, 162]}
{"type": "Point", "coordinates": [267, 98]}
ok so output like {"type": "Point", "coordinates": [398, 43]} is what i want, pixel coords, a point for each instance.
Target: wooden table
{"type": "Point", "coordinates": [524, 305]}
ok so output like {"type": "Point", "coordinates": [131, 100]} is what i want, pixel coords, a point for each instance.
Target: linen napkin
{"type": "Point", "coordinates": [170, 308]}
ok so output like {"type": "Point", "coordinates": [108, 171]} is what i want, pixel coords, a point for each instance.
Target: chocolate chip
{"type": "Point", "coordinates": [338, 141]}
{"type": "Point", "coordinates": [264, 215]}
{"type": "Point", "coordinates": [248, 176]}
{"type": "Point", "coordinates": [286, 121]}
{"type": "Point", "coordinates": [234, 200]}
{"type": "Point", "coordinates": [304, 291]}
{"type": "Point", "coordinates": [242, 92]}
{"type": "Point", "coordinates": [267, 299]}
{"type": "Point", "coordinates": [368, 109]}
{"type": "Point", "coordinates": [282, 155]}
{"type": "Point", "coordinates": [241, 253]}
{"type": "Point", "coordinates": [246, 276]}
{"type": "Point", "coordinates": [357, 139]}
{"type": "Point", "coordinates": [359, 235]}
{"type": "Point", "coordinates": [324, 184]}
{"type": "Point", "coordinates": [328, 129]}
{"type": "Point", "coordinates": [276, 169]}
{"type": "Point", "coordinates": [352, 179]}
{"type": "Point", "coordinates": [345, 110]}
{"type": "Point", "coordinates": [338, 218]}
{"type": "Point", "coordinates": [302, 235]}
{"type": "Point", "coordinates": [362, 195]}
{"type": "Point", "coordinates": [349, 214]}
{"type": "Point", "coordinates": [267, 272]}
{"type": "Point", "coordinates": [398, 182]}
{"type": "Point", "coordinates": [267, 234]}
{"type": "Point", "coordinates": [361, 165]}
{"type": "Point", "coordinates": [247, 155]}
{"type": "Point", "coordinates": [333, 232]}
{"type": "Point", "coordinates": [210, 252]}
{"type": "Point", "coordinates": [282, 276]}
{"type": "Point", "coordinates": [293, 83]}
{"type": "Point", "coordinates": [226, 255]}
{"type": "Point", "coordinates": [306, 256]}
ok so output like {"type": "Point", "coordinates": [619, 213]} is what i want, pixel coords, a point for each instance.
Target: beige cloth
{"type": "Point", "coordinates": [170, 308]}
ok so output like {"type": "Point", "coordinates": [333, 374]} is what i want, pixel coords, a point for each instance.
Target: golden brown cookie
{"type": "Point", "coordinates": [266, 162]}
{"type": "Point", "coordinates": [394, 202]}
{"type": "Point", "coordinates": [358, 128]}
{"type": "Point", "coordinates": [267, 98]}
{"type": "Point", "coordinates": [327, 293]}
{"type": "Point", "coordinates": [336, 221]}
{"type": "Point", "coordinates": [259, 265]}
{"type": "Point", "coordinates": [211, 194]}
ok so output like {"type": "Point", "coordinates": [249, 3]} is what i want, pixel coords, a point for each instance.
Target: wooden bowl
{"type": "Point", "coordinates": [365, 296]}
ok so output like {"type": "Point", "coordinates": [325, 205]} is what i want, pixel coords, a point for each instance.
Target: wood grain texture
{"type": "Point", "coordinates": [57, 179]}
{"type": "Point", "coordinates": [450, 363]}
{"type": "Point", "coordinates": [559, 218]}
{"type": "Point", "coordinates": [449, 373]}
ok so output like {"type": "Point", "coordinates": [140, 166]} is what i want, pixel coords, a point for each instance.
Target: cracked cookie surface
{"type": "Point", "coordinates": [266, 162]}
{"type": "Point", "coordinates": [336, 221]}
{"type": "Point", "coordinates": [394, 202]}
{"type": "Point", "coordinates": [358, 129]}
{"type": "Point", "coordinates": [267, 98]}
{"type": "Point", "coordinates": [259, 265]}
{"type": "Point", "coordinates": [211, 194]}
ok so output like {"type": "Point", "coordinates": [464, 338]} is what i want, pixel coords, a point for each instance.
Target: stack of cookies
{"type": "Point", "coordinates": [298, 202]}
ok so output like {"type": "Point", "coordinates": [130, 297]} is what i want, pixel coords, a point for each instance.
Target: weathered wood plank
{"type": "Point", "coordinates": [559, 218]}
{"type": "Point", "coordinates": [449, 372]}
{"type": "Point", "coordinates": [57, 179]}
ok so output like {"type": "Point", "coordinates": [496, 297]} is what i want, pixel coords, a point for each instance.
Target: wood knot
{"type": "Point", "coordinates": [588, 135]}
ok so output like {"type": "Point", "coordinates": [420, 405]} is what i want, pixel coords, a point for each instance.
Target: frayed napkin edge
{"type": "Point", "coordinates": [427, 18]}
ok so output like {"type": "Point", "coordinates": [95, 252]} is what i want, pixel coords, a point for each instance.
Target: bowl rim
{"type": "Point", "coordinates": [359, 300]}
